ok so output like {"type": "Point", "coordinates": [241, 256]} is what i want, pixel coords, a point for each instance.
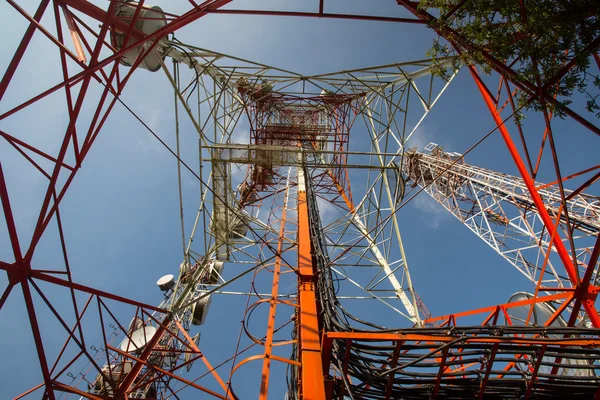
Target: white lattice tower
{"type": "Point", "coordinates": [497, 207]}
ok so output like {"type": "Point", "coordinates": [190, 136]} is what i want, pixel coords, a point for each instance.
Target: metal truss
{"type": "Point", "coordinates": [537, 151]}
{"type": "Point", "coordinates": [379, 97]}
{"type": "Point", "coordinates": [305, 122]}
{"type": "Point", "coordinates": [331, 185]}
{"type": "Point", "coordinates": [498, 208]}
{"type": "Point", "coordinates": [478, 362]}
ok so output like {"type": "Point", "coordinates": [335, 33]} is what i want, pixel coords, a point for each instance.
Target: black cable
{"type": "Point", "coordinates": [419, 365]}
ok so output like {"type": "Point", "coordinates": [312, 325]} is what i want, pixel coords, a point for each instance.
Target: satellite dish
{"type": "Point", "coordinates": [540, 314]}
{"type": "Point", "coordinates": [240, 229]}
{"type": "Point", "coordinates": [200, 309]}
{"type": "Point", "coordinates": [214, 272]}
{"type": "Point", "coordinates": [188, 356]}
{"type": "Point", "coordinates": [139, 338]}
{"type": "Point", "coordinates": [149, 20]}
{"type": "Point", "coordinates": [135, 324]}
{"type": "Point", "coordinates": [167, 282]}
{"type": "Point", "coordinates": [183, 267]}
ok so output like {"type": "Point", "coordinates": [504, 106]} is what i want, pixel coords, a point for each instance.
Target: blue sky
{"type": "Point", "coordinates": [121, 215]}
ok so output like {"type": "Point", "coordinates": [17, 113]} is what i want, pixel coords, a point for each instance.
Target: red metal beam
{"type": "Point", "coordinates": [44, 31]}
{"type": "Point", "coordinates": [39, 228]}
{"type": "Point", "coordinates": [559, 245]}
{"type": "Point", "coordinates": [591, 48]}
{"type": "Point", "coordinates": [68, 389]}
{"type": "Point", "coordinates": [536, 368]}
{"type": "Point", "coordinates": [37, 336]}
{"type": "Point", "coordinates": [82, 6]}
{"type": "Point", "coordinates": [492, 309]}
{"type": "Point", "coordinates": [64, 64]}
{"type": "Point", "coordinates": [6, 293]}
{"type": "Point", "coordinates": [394, 363]}
{"type": "Point", "coordinates": [488, 369]}
{"type": "Point", "coordinates": [212, 371]}
{"type": "Point", "coordinates": [438, 379]}
{"type": "Point", "coordinates": [266, 369]}
{"type": "Point", "coordinates": [71, 331]}
{"type": "Point", "coordinates": [14, 63]}
{"type": "Point", "coordinates": [62, 282]}
{"type": "Point", "coordinates": [8, 216]}
{"type": "Point", "coordinates": [457, 40]}
{"type": "Point", "coordinates": [586, 292]}
{"type": "Point", "coordinates": [14, 142]}
{"type": "Point", "coordinates": [143, 360]}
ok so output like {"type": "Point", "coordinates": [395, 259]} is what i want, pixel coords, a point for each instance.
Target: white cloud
{"type": "Point", "coordinates": [422, 136]}
{"type": "Point", "coordinates": [432, 213]}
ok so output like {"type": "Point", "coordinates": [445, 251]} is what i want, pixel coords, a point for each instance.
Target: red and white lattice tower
{"type": "Point", "coordinates": [305, 274]}
{"type": "Point", "coordinates": [498, 208]}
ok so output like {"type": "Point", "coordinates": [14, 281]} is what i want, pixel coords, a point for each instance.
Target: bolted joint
{"type": "Point", "coordinates": [306, 286]}
{"type": "Point", "coordinates": [19, 271]}
{"type": "Point", "coordinates": [589, 297]}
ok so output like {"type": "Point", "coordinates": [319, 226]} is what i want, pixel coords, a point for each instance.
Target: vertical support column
{"type": "Point", "coordinates": [266, 370]}
{"type": "Point", "coordinates": [312, 380]}
{"type": "Point", "coordinates": [221, 217]}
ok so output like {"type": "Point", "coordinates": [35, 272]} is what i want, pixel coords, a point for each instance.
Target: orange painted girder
{"type": "Point", "coordinates": [416, 337]}
{"type": "Point", "coordinates": [312, 379]}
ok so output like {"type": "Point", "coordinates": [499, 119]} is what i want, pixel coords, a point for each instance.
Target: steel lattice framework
{"type": "Point", "coordinates": [498, 209]}
{"type": "Point", "coordinates": [310, 228]}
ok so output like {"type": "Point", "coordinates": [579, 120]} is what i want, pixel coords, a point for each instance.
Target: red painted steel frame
{"type": "Point", "coordinates": [20, 271]}
{"type": "Point", "coordinates": [458, 41]}
{"type": "Point", "coordinates": [589, 293]}
{"type": "Point", "coordinates": [266, 369]}
{"type": "Point", "coordinates": [584, 292]}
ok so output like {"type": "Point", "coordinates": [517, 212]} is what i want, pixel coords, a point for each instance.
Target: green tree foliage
{"type": "Point", "coordinates": [535, 37]}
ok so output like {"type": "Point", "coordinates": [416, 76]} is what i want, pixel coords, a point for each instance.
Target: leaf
{"type": "Point", "coordinates": [555, 33]}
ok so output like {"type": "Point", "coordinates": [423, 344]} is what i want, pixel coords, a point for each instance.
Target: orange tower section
{"type": "Point", "coordinates": [311, 376]}
{"type": "Point", "coordinates": [296, 132]}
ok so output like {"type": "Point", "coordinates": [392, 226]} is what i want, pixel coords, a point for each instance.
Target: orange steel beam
{"type": "Point", "coordinates": [561, 250]}
{"type": "Point", "coordinates": [74, 34]}
{"type": "Point", "coordinates": [266, 369]}
{"type": "Point", "coordinates": [419, 337]}
{"type": "Point", "coordinates": [560, 295]}
{"type": "Point", "coordinates": [312, 380]}
{"type": "Point", "coordinates": [342, 192]}
{"type": "Point", "coordinates": [550, 320]}
{"type": "Point", "coordinates": [196, 350]}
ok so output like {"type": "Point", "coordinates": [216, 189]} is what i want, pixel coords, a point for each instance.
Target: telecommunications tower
{"type": "Point", "coordinates": [294, 281]}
